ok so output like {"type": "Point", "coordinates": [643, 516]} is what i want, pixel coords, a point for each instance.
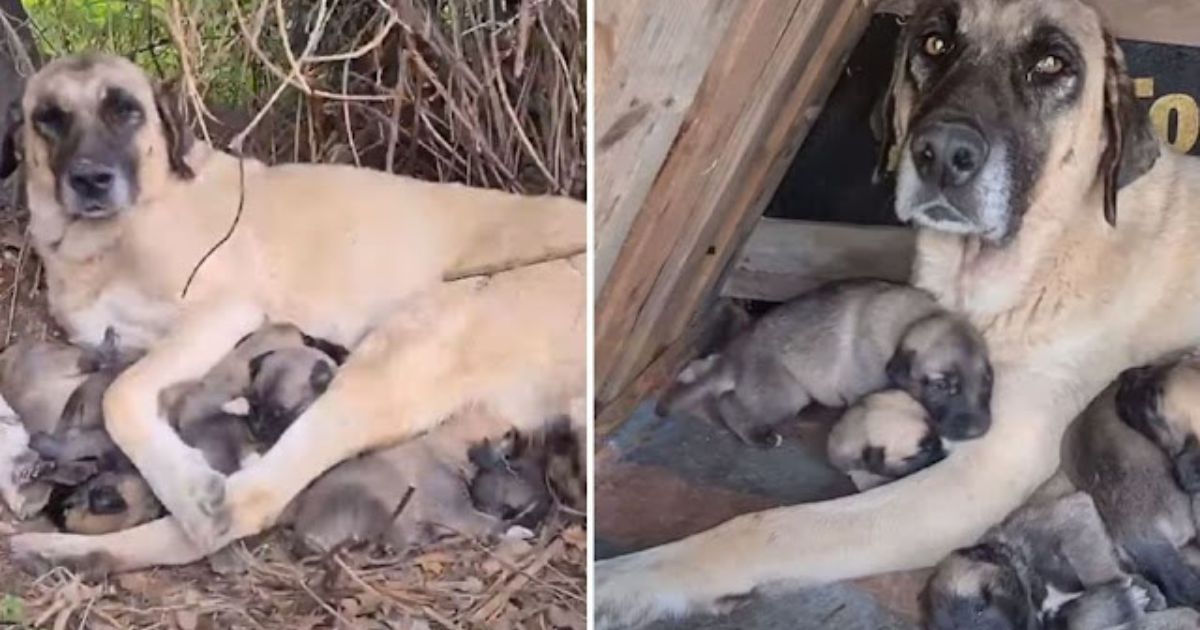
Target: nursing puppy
{"type": "Point", "coordinates": [1121, 606]}
{"type": "Point", "coordinates": [834, 345]}
{"type": "Point", "coordinates": [883, 437]}
{"type": "Point", "coordinates": [1131, 479]}
{"type": "Point", "coordinates": [1017, 575]}
{"type": "Point", "coordinates": [1162, 401]}
{"type": "Point", "coordinates": [477, 493]}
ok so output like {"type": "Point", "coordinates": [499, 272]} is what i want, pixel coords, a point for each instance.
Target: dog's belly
{"type": "Point", "coordinates": [139, 321]}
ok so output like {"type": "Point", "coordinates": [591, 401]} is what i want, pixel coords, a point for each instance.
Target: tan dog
{"type": "Point", "coordinates": [123, 210]}
{"type": "Point", "coordinates": [1017, 126]}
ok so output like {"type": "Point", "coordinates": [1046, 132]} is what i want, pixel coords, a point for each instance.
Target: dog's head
{"type": "Point", "coordinates": [998, 105]}
{"type": "Point", "coordinates": [1162, 402]}
{"type": "Point", "coordinates": [942, 361]}
{"type": "Point", "coordinates": [283, 383]}
{"type": "Point", "coordinates": [96, 136]}
{"type": "Point", "coordinates": [984, 588]}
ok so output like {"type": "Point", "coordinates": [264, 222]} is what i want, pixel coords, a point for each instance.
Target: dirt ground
{"type": "Point", "coordinates": [455, 584]}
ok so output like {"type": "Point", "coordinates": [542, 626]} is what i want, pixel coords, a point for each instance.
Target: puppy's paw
{"type": "Point", "coordinates": [1146, 595]}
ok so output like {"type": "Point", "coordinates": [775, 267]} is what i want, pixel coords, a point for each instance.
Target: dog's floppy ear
{"type": "Point", "coordinates": [11, 149]}
{"type": "Point", "coordinates": [883, 119]}
{"type": "Point", "coordinates": [175, 129]}
{"type": "Point", "coordinates": [1131, 149]}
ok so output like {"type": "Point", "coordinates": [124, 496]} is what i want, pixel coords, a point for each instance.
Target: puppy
{"type": "Point", "coordinates": [1021, 570]}
{"type": "Point", "coordinates": [1133, 481]}
{"type": "Point", "coordinates": [833, 346]}
{"type": "Point", "coordinates": [884, 437]}
{"type": "Point", "coordinates": [232, 377]}
{"type": "Point", "coordinates": [283, 383]}
{"type": "Point", "coordinates": [39, 380]}
{"type": "Point", "coordinates": [1162, 402]}
{"type": "Point", "coordinates": [1121, 606]}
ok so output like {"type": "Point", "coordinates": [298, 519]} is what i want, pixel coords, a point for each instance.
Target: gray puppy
{"type": "Point", "coordinates": [834, 345]}
{"type": "Point", "coordinates": [1121, 606]}
{"type": "Point", "coordinates": [1018, 575]}
{"type": "Point", "coordinates": [1133, 482]}
{"type": "Point", "coordinates": [885, 436]}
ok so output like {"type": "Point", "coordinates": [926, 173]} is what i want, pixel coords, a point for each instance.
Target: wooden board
{"type": "Point", "coordinates": [774, 68]}
{"type": "Point", "coordinates": [650, 60]}
{"type": "Point", "coordinates": [1163, 21]}
{"type": "Point", "coordinates": [784, 258]}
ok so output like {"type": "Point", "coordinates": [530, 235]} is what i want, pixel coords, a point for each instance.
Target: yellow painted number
{"type": "Point", "coordinates": [1182, 110]}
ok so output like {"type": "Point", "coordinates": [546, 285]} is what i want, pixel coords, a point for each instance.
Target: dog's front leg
{"type": "Point", "coordinates": [181, 478]}
{"type": "Point", "coordinates": [908, 524]}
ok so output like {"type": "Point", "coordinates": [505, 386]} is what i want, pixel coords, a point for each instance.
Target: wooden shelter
{"type": "Point", "coordinates": [699, 112]}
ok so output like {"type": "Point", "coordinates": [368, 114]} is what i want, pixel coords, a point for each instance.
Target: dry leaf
{"type": "Point", "coordinates": [187, 619]}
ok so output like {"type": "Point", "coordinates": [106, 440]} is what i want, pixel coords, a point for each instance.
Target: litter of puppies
{"type": "Point", "coordinates": [59, 469]}
{"type": "Point", "coordinates": [1110, 543]}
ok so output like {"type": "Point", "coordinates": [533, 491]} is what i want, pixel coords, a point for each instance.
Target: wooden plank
{"type": "Point", "coordinates": [784, 258]}
{"type": "Point", "coordinates": [1162, 21]}
{"type": "Point", "coordinates": [772, 72]}
{"type": "Point", "coordinates": [651, 58]}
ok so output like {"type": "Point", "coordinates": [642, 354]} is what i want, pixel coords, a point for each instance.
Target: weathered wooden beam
{"type": "Point", "coordinates": [1161, 21]}
{"type": "Point", "coordinates": [650, 60]}
{"type": "Point", "coordinates": [783, 258]}
{"type": "Point", "coordinates": [769, 77]}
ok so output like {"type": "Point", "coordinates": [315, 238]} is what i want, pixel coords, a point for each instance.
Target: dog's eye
{"type": "Point", "coordinates": [1049, 66]}
{"type": "Point", "coordinates": [936, 45]}
{"type": "Point", "coordinates": [51, 120]}
{"type": "Point", "coordinates": [121, 108]}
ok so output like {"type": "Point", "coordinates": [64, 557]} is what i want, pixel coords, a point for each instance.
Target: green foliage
{"type": "Point", "coordinates": [12, 610]}
{"type": "Point", "coordinates": [138, 29]}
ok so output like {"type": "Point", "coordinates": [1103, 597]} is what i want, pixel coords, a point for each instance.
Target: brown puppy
{"type": "Point", "coordinates": [1019, 573]}
{"type": "Point", "coordinates": [832, 346]}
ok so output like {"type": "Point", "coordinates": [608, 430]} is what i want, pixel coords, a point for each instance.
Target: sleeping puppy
{"type": "Point", "coordinates": [1020, 571]}
{"type": "Point", "coordinates": [283, 383]}
{"type": "Point", "coordinates": [1121, 606]}
{"type": "Point", "coordinates": [232, 377]}
{"type": "Point", "coordinates": [1133, 480]}
{"type": "Point", "coordinates": [1162, 401]}
{"type": "Point", "coordinates": [520, 477]}
{"type": "Point", "coordinates": [884, 437]}
{"type": "Point", "coordinates": [833, 346]}
{"type": "Point", "coordinates": [41, 382]}
{"type": "Point", "coordinates": [478, 493]}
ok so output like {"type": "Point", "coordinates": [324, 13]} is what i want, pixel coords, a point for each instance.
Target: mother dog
{"type": "Point", "coordinates": [1016, 127]}
{"type": "Point", "coordinates": [123, 210]}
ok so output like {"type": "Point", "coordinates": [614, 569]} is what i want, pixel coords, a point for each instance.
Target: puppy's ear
{"type": "Point", "coordinates": [175, 130]}
{"type": "Point", "coordinates": [320, 377]}
{"type": "Point", "coordinates": [899, 368]}
{"type": "Point", "coordinates": [256, 364]}
{"type": "Point", "coordinates": [11, 150]}
{"type": "Point", "coordinates": [883, 118]}
{"type": "Point", "coordinates": [1131, 148]}
{"type": "Point", "coordinates": [1138, 393]}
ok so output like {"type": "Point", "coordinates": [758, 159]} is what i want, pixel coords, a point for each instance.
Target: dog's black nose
{"type": "Point", "coordinates": [948, 154]}
{"type": "Point", "coordinates": [105, 500]}
{"type": "Point", "coordinates": [90, 179]}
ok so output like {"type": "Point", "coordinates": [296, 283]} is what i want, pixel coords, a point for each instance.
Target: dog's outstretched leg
{"type": "Point", "coordinates": [905, 525]}
{"type": "Point", "coordinates": [181, 478]}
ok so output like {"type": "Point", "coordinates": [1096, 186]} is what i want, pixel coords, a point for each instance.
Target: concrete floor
{"type": "Point", "coordinates": [660, 479]}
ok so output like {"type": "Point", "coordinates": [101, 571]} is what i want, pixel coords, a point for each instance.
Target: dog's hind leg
{"type": "Point", "coordinates": [908, 524]}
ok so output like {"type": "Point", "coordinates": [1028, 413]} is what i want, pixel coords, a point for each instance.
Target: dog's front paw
{"type": "Point", "coordinates": [195, 496]}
